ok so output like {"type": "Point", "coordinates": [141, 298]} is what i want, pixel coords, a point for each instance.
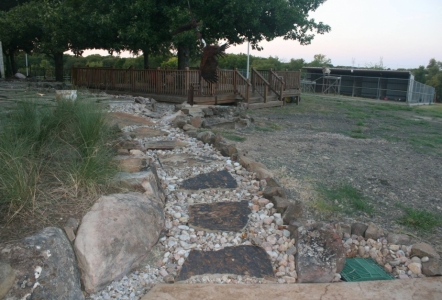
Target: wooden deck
{"type": "Point", "coordinates": [266, 87]}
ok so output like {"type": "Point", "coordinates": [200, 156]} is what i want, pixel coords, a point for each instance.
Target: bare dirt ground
{"type": "Point", "coordinates": [389, 152]}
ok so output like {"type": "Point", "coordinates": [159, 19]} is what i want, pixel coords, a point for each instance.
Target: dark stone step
{"type": "Point", "coordinates": [221, 216]}
{"type": "Point", "coordinates": [215, 179]}
{"type": "Point", "coordinates": [241, 260]}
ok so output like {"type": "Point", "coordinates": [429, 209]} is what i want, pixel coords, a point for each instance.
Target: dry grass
{"type": "Point", "coordinates": [54, 163]}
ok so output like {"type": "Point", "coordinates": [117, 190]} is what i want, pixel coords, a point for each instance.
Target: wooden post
{"type": "Point", "coordinates": [265, 93]}
{"type": "Point", "coordinates": [235, 89]}
{"type": "Point", "coordinates": [132, 77]}
{"type": "Point", "coordinates": [158, 80]}
{"type": "Point", "coordinates": [187, 80]}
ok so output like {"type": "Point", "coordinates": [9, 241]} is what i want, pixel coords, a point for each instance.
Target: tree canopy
{"type": "Point", "coordinates": [55, 26]}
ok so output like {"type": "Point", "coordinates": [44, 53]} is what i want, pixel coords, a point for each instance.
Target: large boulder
{"type": "Point", "coordinates": [320, 253]}
{"type": "Point", "coordinates": [115, 236]}
{"type": "Point", "coordinates": [44, 265]}
{"type": "Point", "coordinates": [432, 267]}
{"type": "Point", "coordinates": [424, 249]}
{"type": "Point", "coordinates": [147, 181]}
{"type": "Point", "coordinates": [398, 239]}
{"type": "Point", "coordinates": [373, 232]}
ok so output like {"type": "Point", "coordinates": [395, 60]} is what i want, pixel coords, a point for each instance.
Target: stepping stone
{"type": "Point", "coordinates": [165, 145]}
{"type": "Point", "coordinates": [221, 216]}
{"type": "Point", "coordinates": [185, 160]}
{"type": "Point", "coordinates": [215, 179]}
{"type": "Point", "coordinates": [146, 132]}
{"type": "Point", "coordinates": [241, 260]}
{"type": "Point", "coordinates": [125, 119]}
{"type": "Point", "coordinates": [132, 164]}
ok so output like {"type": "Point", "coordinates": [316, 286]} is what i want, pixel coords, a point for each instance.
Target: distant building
{"type": "Point", "coordinates": [367, 83]}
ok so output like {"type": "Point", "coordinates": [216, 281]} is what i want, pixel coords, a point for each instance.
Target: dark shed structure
{"type": "Point", "coordinates": [368, 83]}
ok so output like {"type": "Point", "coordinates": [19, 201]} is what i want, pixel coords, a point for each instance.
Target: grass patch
{"type": "Point", "coordinates": [426, 141]}
{"type": "Point", "coordinates": [234, 137]}
{"type": "Point", "coordinates": [344, 198]}
{"type": "Point", "coordinates": [419, 219]}
{"type": "Point", "coordinates": [52, 152]}
{"type": "Point", "coordinates": [360, 123]}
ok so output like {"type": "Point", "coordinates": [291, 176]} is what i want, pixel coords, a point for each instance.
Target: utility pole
{"type": "Point", "coordinates": [2, 65]}
{"type": "Point", "coordinates": [248, 59]}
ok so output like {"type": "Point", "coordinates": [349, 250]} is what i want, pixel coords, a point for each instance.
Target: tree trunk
{"type": "Point", "coordinates": [146, 59]}
{"type": "Point", "coordinates": [12, 63]}
{"type": "Point", "coordinates": [58, 59]}
{"type": "Point", "coordinates": [183, 57]}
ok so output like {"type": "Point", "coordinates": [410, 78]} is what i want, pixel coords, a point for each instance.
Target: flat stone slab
{"type": "Point", "coordinates": [241, 260]}
{"type": "Point", "coordinates": [125, 119]}
{"type": "Point", "coordinates": [146, 132]}
{"type": "Point", "coordinates": [215, 179]}
{"type": "Point", "coordinates": [410, 289]}
{"type": "Point", "coordinates": [185, 160]}
{"type": "Point", "coordinates": [221, 216]}
{"type": "Point", "coordinates": [165, 145]}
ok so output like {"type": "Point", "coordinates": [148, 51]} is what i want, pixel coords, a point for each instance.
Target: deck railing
{"type": "Point", "coordinates": [242, 86]}
{"type": "Point", "coordinates": [178, 82]}
{"type": "Point", "coordinates": [260, 84]}
{"type": "Point", "coordinates": [156, 81]}
{"type": "Point", "coordinates": [292, 79]}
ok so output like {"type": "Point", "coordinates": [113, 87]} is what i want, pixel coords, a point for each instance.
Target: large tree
{"type": "Point", "coordinates": [19, 30]}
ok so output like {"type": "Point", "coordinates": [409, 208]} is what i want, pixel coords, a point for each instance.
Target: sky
{"type": "Point", "coordinates": [404, 33]}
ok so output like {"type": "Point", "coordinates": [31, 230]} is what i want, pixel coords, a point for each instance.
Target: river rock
{"type": "Point", "coordinates": [115, 236]}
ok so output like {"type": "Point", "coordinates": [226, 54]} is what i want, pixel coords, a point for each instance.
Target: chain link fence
{"type": "Point", "coordinates": [382, 88]}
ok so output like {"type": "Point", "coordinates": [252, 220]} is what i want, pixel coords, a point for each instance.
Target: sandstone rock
{"type": "Point", "coordinates": [280, 204]}
{"type": "Point", "coordinates": [342, 229]}
{"type": "Point", "coordinates": [416, 268]}
{"type": "Point", "coordinates": [294, 211]}
{"type": "Point", "coordinates": [432, 267]}
{"type": "Point", "coordinates": [424, 249]}
{"type": "Point", "coordinates": [192, 133]}
{"type": "Point", "coordinates": [131, 164]}
{"type": "Point", "coordinates": [179, 122]}
{"type": "Point", "coordinates": [115, 236]}
{"type": "Point", "coordinates": [228, 150]}
{"type": "Point", "coordinates": [272, 181]}
{"type": "Point", "coordinates": [44, 266]}
{"type": "Point", "coordinates": [373, 232]}
{"type": "Point", "coordinates": [188, 127]}
{"type": "Point", "coordinates": [271, 192]}
{"type": "Point", "coordinates": [7, 278]}
{"type": "Point", "coordinates": [399, 239]}
{"type": "Point", "coordinates": [207, 112]}
{"type": "Point", "coordinates": [207, 137]}
{"type": "Point", "coordinates": [196, 122]}
{"type": "Point", "coordinates": [358, 229]}
{"type": "Point", "coordinates": [320, 254]}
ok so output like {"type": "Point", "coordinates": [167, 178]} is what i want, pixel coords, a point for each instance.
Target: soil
{"type": "Point", "coordinates": [310, 145]}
